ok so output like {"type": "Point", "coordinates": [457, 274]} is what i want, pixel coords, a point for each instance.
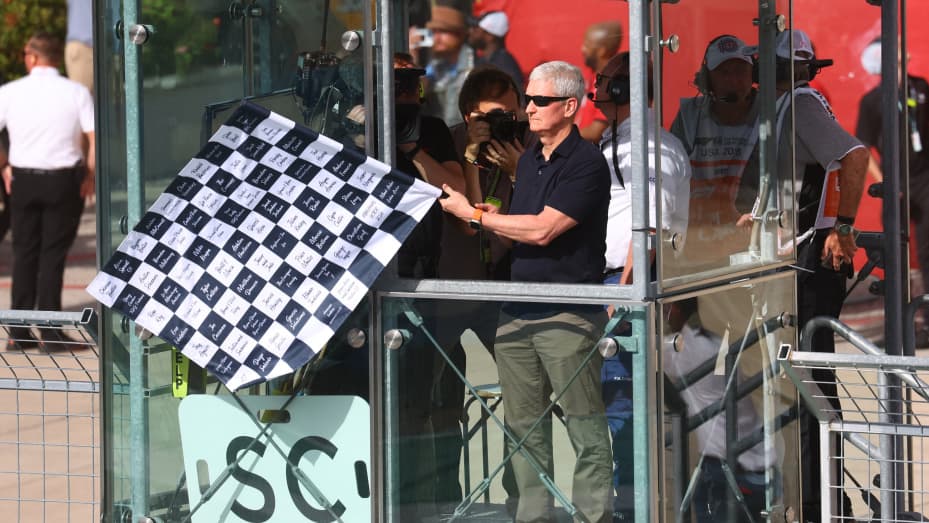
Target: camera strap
{"type": "Point", "coordinates": [492, 188]}
{"type": "Point", "coordinates": [615, 146]}
{"type": "Point", "coordinates": [484, 240]}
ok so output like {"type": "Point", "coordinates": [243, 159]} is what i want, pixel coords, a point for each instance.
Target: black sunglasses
{"type": "Point", "coordinates": [542, 101]}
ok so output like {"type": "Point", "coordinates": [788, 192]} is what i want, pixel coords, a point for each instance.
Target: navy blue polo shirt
{"type": "Point", "coordinates": [576, 181]}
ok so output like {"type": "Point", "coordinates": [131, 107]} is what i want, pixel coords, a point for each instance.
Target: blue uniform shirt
{"type": "Point", "coordinates": [576, 181]}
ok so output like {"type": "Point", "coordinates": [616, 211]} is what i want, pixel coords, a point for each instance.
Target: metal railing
{"type": "Point", "coordinates": [873, 392]}
{"type": "Point", "coordinates": [49, 417]}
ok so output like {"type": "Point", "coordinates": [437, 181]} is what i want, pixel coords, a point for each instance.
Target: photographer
{"type": "Point", "coordinates": [489, 143]}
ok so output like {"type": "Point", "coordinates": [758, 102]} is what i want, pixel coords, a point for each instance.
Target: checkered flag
{"type": "Point", "coordinates": [261, 247]}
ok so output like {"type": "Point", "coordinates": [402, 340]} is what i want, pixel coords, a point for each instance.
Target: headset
{"type": "Point", "coordinates": [702, 76]}
{"type": "Point", "coordinates": [617, 88]}
{"type": "Point", "coordinates": [782, 68]}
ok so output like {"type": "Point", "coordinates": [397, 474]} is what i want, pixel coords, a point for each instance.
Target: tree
{"type": "Point", "coordinates": [19, 19]}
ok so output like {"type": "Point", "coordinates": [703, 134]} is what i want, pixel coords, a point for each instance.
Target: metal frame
{"type": "Point", "coordinates": [640, 297]}
{"type": "Point", "coordinates": [872, 389]}
{"type": "Point", "coordinates": [51, 439]}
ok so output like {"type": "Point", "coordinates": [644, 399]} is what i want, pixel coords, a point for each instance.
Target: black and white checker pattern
{"type": "Point", "coordinates": [261, 246]}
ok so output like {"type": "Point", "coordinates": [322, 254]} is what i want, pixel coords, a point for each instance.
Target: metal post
{"type": "Point", "coordinates": [646, 407]}
{"type": "Point", "coordinates": [385, 75]}
{"type": "Point", "coordinates": [828, 507]}
{"type": "Point", "coordinates": [638, 104]}
{"type": "Point", "coordinates": [895, 272]}
{"type": "Point", "coordinates": [135, 193]}
{"type": "Point", "coordinates": [387, 426]}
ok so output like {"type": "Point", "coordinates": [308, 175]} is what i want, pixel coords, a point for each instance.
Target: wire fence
{"type": "Point", "coordinates": [883, 420]}
{"type": "Point", "coordinates": [49, 417]}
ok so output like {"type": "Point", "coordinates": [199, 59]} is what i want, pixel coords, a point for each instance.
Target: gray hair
{"type": "Point", "coordinates": [566, 79]}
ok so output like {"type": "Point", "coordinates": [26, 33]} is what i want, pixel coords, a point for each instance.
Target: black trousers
{"type": "Point", "coordinates": [820, 293]}
{"type": "Point", "coordinates": [45, 213]}
{"type": "Point", "coordinates": [919, 212]}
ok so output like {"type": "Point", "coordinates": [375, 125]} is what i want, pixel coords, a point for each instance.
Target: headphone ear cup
{"type": "Point", "coordinates": [619, 90]}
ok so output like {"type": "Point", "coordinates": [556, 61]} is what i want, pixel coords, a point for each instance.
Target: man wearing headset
{"type": "Point", "coordinates": [612, 98]}
{"type": "Point", "coordinates": [832, 165]}
{"type": "Point", "coordinates": [719, 130]}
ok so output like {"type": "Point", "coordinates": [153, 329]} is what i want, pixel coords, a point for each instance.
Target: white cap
{"type": "Point", "coordinates": [871, 58]}
{"type": "Point", "coordinates": [724, 49]}
{"type": "Point", "coordinates": [495, 23]}
{"type": "Point", "coordinates": [803, 47]}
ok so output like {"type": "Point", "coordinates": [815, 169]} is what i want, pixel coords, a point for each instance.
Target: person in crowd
{"type": "Point", "coordinates": [831, 165]}
{"type": "Point", "coordinates": [557, 225]}
{"type": "Point", "coordinates": [490, 105]}
{"type": "Point", "coordinates": [713, 490]}
{"type": "Point", "coordinates": [451, 59]}
{"type": "Point", "coordinates": [79, 46]}
{"type": "Point", "coordinates": [488, 37]}
{"type": "Point", "coordinates": [50, 172]}
{"type": "Point", "coordinates": [916, 142]}
{"type": "Point", "coordinates": [612, 98]}
{"type": "Point", "coordinates": [424, 149]}
{"type": "Point", "coordinates": [719, 131]}
{"type": "Point", "coordinates": [601, 42]}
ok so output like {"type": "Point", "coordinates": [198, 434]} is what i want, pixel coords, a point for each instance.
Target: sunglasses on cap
{"type": "Point", "coordinates": [542, 101]}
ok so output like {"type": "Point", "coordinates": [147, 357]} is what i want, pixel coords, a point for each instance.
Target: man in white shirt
{"type": "Point", "coordinates": [612, 98]}
{"type": "Point", "coordinates": [51, 170]}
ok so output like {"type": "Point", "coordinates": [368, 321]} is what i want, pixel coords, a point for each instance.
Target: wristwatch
{"type": "Point", "coordinates": [475, 221]}
{"type": "Point", "coordinates": [843, 229]}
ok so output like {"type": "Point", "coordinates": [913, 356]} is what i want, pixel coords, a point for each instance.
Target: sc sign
{"type": "Point", "coordinates": [326, 438]}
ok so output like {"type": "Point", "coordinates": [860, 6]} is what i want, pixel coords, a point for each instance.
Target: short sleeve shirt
{"type": "Point", "coordinates": [820, 138]}
{"type": "Point", "coordinates": [575, 180]}
{"type": "Point", "coordinates": [47, 116]}
{"type": "Point", "coordinates": [870, 124]}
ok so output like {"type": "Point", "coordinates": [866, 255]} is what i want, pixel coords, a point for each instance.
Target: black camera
{"type": "Point", "coordinates": [315, 71]}
{"type": "Point", "coordinates": [504, 127]}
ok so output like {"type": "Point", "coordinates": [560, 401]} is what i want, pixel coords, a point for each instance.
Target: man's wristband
{"type": "Point", "coordinates": [848, 220]}
{"type": "Point", "coordinates": [475, 221]}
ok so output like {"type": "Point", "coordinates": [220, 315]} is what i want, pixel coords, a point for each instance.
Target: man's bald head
{"type": "Point", "coordinates": [607, 35]}
{"type": "Point", "coordinates": [601, 42]}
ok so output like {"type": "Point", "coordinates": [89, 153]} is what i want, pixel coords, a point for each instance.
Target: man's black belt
{"type": "Point", "coordinates": [20, 171]}
{"type": "Point", "coordinates": [611, 272]}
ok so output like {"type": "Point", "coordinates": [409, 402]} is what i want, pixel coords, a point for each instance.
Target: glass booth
{"type": "Point", "coordinates": [401, 418]}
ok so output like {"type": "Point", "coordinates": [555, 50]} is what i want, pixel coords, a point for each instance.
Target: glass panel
{"type": "Point", "coordinates": [731, 437]}
{"type": "Point", "coordinates": [201, 59]}
{"type": "Point", "coordinates": [515, 358]}
{"type": "Point", "coordinates": [739, 215]}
